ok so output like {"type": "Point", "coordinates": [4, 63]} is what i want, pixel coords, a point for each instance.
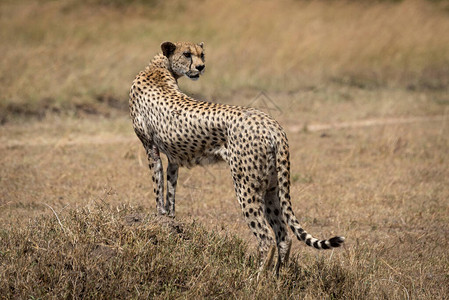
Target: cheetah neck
{"type": "Point", "coordinates": [160, 61]}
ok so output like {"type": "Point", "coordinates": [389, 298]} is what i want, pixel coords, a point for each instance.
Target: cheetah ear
{"type": "Point", "coordinates": [201, 45]}
{"type": "Point", "coordinates": [168, 48]}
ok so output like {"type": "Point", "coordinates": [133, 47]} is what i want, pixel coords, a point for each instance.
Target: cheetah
{"type": "Point", "coordinates": [191, 132]}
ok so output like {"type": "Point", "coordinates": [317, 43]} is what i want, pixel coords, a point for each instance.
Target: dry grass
{"type": "Point", "coordinates": [75, 193]}
{"type": "Point", "coordinates": [104, 253]}
{"type": "Point", "coordinates": [383, 187]}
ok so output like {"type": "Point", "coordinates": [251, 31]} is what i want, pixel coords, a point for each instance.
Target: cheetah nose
{"type": "Point", "coordinates": [200, 67]}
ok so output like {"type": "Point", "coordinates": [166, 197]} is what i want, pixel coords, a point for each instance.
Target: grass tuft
{"type": "Point", "coordinates": [119, 252]}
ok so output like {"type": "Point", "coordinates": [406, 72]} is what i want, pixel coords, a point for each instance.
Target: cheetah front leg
{"type": "Point", "coordinates": [172, 179]}
{"type": "Point", "coordinates": [155, 164]}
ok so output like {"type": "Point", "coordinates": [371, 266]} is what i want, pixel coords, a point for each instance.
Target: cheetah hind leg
{"type": "Point", "coordinates": [266, 261]}
{"type": "Point", "coordinates": [283, 254]}
{"type": "Point", "coordinates": [273, 213]}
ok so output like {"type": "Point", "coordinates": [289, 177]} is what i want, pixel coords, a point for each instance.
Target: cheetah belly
{"type": "Point", "coordinates": [186, 149]}
{"type": "Point", "coordinates": [188, 157]}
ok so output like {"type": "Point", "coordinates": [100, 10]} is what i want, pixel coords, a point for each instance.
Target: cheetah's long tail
{"type": "Point", "coordinates": [283, 173]}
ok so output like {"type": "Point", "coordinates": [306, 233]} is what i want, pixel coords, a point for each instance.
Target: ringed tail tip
{"type": "Point", "coordinates": [337, 241]}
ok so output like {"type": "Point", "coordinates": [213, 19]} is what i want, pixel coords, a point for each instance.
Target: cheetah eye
{"type": "Point", "coordinates": [187, 54]}
{"type": "Point", "coordinates": [202, 55]}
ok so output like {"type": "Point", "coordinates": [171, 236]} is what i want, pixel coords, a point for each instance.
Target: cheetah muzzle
{"type": "Point", "coordinates": [191, 132]}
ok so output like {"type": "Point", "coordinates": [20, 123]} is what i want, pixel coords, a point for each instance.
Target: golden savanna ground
{"type": "Point", "coordinates": [361, 89]}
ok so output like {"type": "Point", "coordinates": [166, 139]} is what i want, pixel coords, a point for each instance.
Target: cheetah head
{"type": "Point", "coordinates": [185, 58]}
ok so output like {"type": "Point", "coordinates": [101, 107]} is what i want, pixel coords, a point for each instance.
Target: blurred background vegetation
{"type": "Point", "coordinates": [63, 55]}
